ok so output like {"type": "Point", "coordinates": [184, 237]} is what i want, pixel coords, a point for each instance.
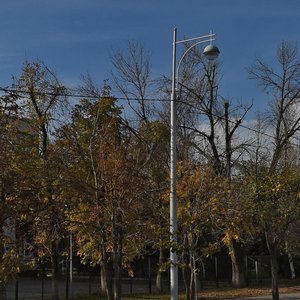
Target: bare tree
{"type": "Point", "coordinates": [212, 125]}
{"type": "Point", "coordinates": [281, 82]}
{"type": "Point", "coordinates": [132, 78]}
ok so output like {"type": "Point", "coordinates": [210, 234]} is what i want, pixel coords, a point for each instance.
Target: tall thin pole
{"type": "Point", "coordinates": [211, 53]}
{"type": "Point", "coordinates": [173, 175]}
{"type": "Point", "coordinates": [71, 265]}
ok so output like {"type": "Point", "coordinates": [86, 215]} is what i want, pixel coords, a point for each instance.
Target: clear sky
{"type": "Point", "coordinates": [76, 36]}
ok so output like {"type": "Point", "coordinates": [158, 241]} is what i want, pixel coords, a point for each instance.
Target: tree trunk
{"type": "Point", "coordinates": [106, 276]}
{"type": "Point", "coordinates": [102, 279]}
{"type": "Point", "coordinates": [3, 295]}
{"type": "Point", "coordinates": [272, 247]}
{"type": "Point", "coordinates": [161, 260]}
{"type": "Point", "coordinates": [238, 264]}
{"type": "Point", "coordinates": [186, 274]}
{"type": "Point", "coordinates": [186, 269]}
{"type": "Point", "coordinates": [55, 271]}
{"type": "Point", "coordinates": [117, 263]}
{"type": "Point", "coordinates": [117, 276]}
{"type": "Point", "coordinates": [292, 268]}
{"type": "Point", "coordinates": [193, 282]}
{"type": "Point", "coordinates": [274, 272]}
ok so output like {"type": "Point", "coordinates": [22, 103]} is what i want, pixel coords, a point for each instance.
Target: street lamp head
{"type": "Point", "coordinates": [211, 52]}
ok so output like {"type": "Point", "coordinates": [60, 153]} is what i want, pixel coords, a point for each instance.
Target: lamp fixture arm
{"type": "Point", "coordinates": [190, 48]}
{"type": "Point", "coordinates": [211, 36]}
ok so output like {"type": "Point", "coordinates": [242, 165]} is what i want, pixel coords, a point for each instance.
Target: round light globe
{"type": "Point", "coordinates": [211, 52]}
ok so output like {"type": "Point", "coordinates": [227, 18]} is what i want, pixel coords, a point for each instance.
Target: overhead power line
{"type": "Point", "coordinates": [77, 95]}
{"type": "Point", "coordinates": [82, 96]}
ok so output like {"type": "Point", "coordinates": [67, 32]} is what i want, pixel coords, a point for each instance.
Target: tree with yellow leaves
{"type": "Point", "coordinates": [104, 165]}
{"type": "Point", "coordinates": [213, 213]}
{"type": "Point", "coordinates": [274, 188]}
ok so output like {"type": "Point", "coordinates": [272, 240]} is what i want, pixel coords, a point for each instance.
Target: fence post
{"type": "Point", "coordinates": [43, 283]}
{"type": "Point", "coordinates": [67, 279]}
{"type": "Point", "coordinates": [90, 281]}
{"type": "Point", "coordinates": [216, 271]}
{"type": "Point", "coordinates": [71, 265]}
{"type": "Point", "coordinates": [17, 289]}
{"type": "Point", "coordinates": [256, 271]}
{"type": "Point", "coordinates": [260, 271]}
{"type": "Point", "coordinates": [246, 266]}
{"type": "Point", "coordinates": [131, 280]}
{"type": "Point", "coordinates": [149, 275]}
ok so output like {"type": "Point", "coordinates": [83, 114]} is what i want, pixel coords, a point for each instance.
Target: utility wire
{"type": "Point", "coordinates": [234, 122]}
{"type": "Point", "coordinates": [76, 95]}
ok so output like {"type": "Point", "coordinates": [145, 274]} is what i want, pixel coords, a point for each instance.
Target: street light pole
{"type": "Point", "coordinates": [173, 177]}
{"type": "Point", "coordinates": [210, 52]}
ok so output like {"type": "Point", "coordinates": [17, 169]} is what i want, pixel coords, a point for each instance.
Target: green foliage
{"type": "Point", "coordinates": [106, 181]}
{"type": "Point", "coordinates": [276, 198]}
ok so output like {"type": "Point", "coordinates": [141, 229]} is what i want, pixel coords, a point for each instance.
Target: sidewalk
{"type": "Point", "coordinates": [292, 296]}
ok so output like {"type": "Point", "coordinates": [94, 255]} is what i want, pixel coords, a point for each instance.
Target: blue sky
{"type": "Point", "coordinates": [76, 36]}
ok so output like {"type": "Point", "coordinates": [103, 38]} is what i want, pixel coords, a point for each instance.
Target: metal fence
{"type": "Point", "coordinates": [213, 271]}
{"type": "Point", "coordinates": [258, 269]}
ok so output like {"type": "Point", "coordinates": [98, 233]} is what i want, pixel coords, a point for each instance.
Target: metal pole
{"type": "Point", "coordinates": [17, 289]}
{"type": "Point", "coordinates": [67, 278]}
{"type": "Point", "coordinates": [71, 265]}
{"type": "Point", "coordinates": [149, 275]}
{"type": "Point", "coordinates": [43, 281]}
{"type": "Point", "coordinates": [216, 271]}
{"type": "Point", "coordinates": [173, 175]}
{"type": "Point", "coordinates": [90, 281]}
{"type": "Point", "coordinates": [211, 53]}
{"type": "Point", "coordinates": [195, 276]}
{"type": "Point", "coordinates": [256, 271]}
